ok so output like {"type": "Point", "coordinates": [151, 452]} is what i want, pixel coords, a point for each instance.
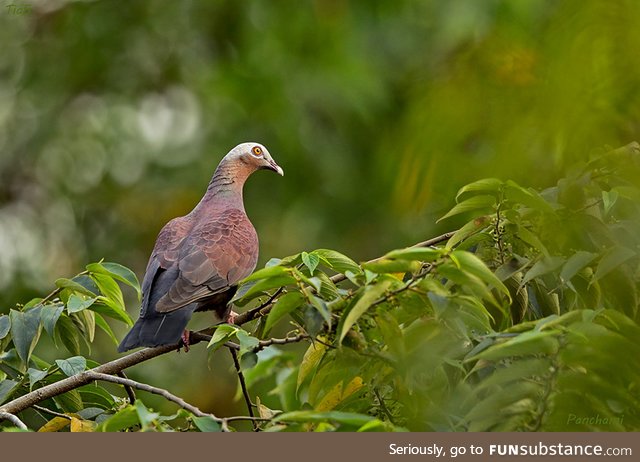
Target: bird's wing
{"type": "Point", "coordinates": [163, 257]}
{"type": "Point", "coordinates": [214, 256]}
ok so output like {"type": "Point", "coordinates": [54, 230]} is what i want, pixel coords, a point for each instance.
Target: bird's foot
{"type": "Point", "coordinates": [231, 317]}
{"type": "Point", "coordinates": [185, 337]}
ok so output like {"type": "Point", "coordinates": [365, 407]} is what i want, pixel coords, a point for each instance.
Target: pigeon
{"type": "Point", "coordinates": [199, 258]}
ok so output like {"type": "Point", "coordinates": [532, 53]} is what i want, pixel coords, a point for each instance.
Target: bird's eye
{"type": "Point", "coordinates": [257, 151]}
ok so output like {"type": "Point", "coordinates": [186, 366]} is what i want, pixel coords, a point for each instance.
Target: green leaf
{"type": "Point", "coordinates": [206, 424]}
{"type": "Point", "coordinates": [73, 365]}
{"type": "Point", "coordinates": [474, 226]}
{"type": "Point", "coordinates": [25, 331]}
{"type": "Point", "coordinates": [386, 265]}
{"type": "Point", "coordinates": [542, 267]}
{"type": "Point", "coordinates": [68, 334]}
{"type": "Point", "coordinates": [612, 259]}
{"type": "Point", "coordinates": [527, 343]}
{"type": "Point", "coordinates": [74, 287]}
{"type": "Point", "coordinates": [575, 263]}
{"type": "Point", "coordinates": [222, 333]}
{"type": "Point", "coordinates": [313, 320]}
{"type": "Point", "coordinates": [119, 272]}
{"type": "Point", "coordinates": [7, 388]}
{"type": "Point", "coordinates": [88, 320]}
{"type": "Point", "coordinates": [247, 342]}
{"type": "Point", "coordinates": [35, 375]}
{"type": "Point", "coordinates": [469, 205]}
{"type": "Point", "coordinates": [125, 418]}
{"type": "Point", "coordinates": [109, 289]}
{"type": "Point", "coordinates": [267, 273]}
{"type": "Point", "coordinates": [70, 401]}
{"type": "Point", "coordinates": [49, 317]}
{"type": "Point", "coordinates": [370, 295]}
{"type": "Point", "coordinates": [145, 416]}
{"type": "Point", "coordinates": [609, 199]}
{"type": "Point", "coordinates": [77, 303]}
{"type": "Point", "coordinates": [102, 324]}
{"type": "Point", "coordinates": [529, 238]}
{"type": "Point", "coordinates": [111, 309]}
{"type": "Point", "coordinates": [347, 418]}
{"type": "Point", "coordinates": [485, 186]}
{"type": "Point", "coordinates": [322, 308]}
{"type": "Point", "coordinates": [337, 261]}
{"type": "Point", "coordinates": [310, 360]}
{"type": "Point", "coordinates": [248, 360]}
{"type": "Point", "coordinates": [468, 262]}
{"type": "Point", "coordinates": [285, 305]}
{"type": "Point", "coordinates": [528, 197]}
{"type": "Point", "coordinates": [267, 284]}
{"type": "Point", "coordinates": [5, 326]}
{"type": "Point", "coordinates": [416, 253]}
{"type": "Point", "coordinates": [310, 260]}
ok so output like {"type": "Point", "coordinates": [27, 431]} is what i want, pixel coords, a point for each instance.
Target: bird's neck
{"type": "Point", "coordinates": [225, 187]}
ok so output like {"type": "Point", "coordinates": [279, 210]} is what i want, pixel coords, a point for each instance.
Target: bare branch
{"type": "Point", "coordinates": [151, 389]}
{"type": "Point", "coordinates": [13, 419]}
{"type": "Point", "coordinates": [130, 392]}
{"type": "Point", "coordinates": [243, 385]}
{"type": "Point", "coordinates": [50, 412]}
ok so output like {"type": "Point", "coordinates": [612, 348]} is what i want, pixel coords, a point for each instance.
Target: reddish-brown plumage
{"type": "Point", "coordinates": [199, 258]}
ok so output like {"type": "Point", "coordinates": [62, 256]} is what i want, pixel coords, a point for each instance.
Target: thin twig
{"type": "Point", "coordinates": [130, 391]}
{"type": "Point", "coordinates": [155, 390]}
{"type": "Point", "coordinates": [50, 412]}
{"type": "Point", "coordinates": [13, 419]}
{"type": "Point", "coordinates": [383, 406]}
{"type": "Point", "coordinates": [261, 346]}
{"type": "Point", "coordinates": [252, 313]}
{"type": "Point", "coordinates": [243, 385]}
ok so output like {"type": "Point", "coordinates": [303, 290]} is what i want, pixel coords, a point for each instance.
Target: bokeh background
{"type": "Point", "coordinates": [114, 115]}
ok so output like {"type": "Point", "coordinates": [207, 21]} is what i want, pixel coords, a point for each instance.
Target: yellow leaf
{"type": "Point", "coordinates": [337, 394]}
{"type": "Point", "coordinates": [311, 358]}
{"type": "Point", "coordinates": [331, 399]}
{"type": "Point", "coordinates": [55, 425]}
{"type": "Point", "coordinates": [80, 425]}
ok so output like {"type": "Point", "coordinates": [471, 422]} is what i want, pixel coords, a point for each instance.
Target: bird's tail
{"type": "Point", "coordinates": [162, 329]}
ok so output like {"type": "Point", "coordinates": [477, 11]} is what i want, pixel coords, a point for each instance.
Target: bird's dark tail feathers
{"type": "Point", "coordinates": [158, 330]}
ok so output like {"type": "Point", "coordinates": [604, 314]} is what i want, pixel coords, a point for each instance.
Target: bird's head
{"type": "Point", "coordinates": [255, 155]}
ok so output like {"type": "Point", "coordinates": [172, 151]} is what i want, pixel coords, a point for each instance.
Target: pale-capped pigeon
{"type": "Point", "coordinates": [199, 258]}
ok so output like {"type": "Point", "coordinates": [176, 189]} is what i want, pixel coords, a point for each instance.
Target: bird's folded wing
{"type": "Point", "coordinates": [213, 257]}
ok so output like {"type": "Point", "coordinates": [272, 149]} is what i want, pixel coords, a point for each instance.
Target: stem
{"type": "Point", "coordinates": [243, 385]}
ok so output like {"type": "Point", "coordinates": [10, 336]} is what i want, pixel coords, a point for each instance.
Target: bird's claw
{"type": "Point", "coordinates": [185, 337]}
{"type": "Point", "coordinates": [231, 317]}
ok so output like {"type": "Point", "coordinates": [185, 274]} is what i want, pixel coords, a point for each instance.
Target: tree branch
{"type": "Point", "coordinates": [243, 385]}
{"type": "Point", "coordinates": [151, 389]}
{"type": "Point", "coordinates": [13, 419]}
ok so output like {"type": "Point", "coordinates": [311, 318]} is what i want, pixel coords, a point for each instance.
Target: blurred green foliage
{"type": "Point", "coordinates": [114, 115]}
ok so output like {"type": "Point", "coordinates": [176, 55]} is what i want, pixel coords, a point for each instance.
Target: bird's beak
{"type": "Point", "coordinates": [276, 168]}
